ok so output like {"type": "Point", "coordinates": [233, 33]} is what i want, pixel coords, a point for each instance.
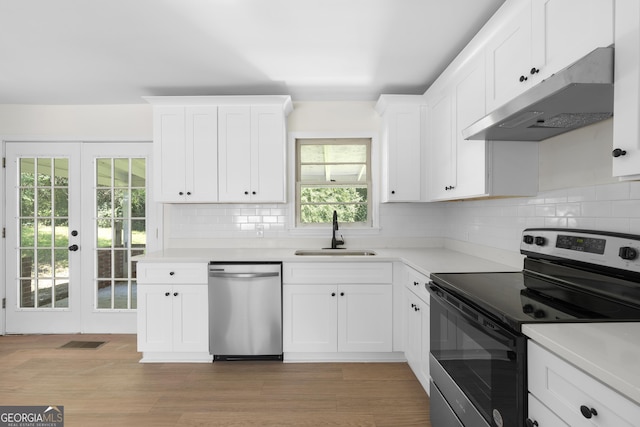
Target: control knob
{"type": "Point", "coordinates": [528, 239]}
{"type": "Point", "coordinates": [628, 253]}
{"type": "Point", "coordinates": [527, 309]}
{"type": "Point", "coordinates": [541, 241]}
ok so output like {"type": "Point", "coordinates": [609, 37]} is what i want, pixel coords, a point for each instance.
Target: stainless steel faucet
{"type": "Point", "coordinates": [335, 242]}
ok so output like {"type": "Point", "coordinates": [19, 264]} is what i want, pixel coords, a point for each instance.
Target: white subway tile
{"type": "Point", "coordinates": [596, 209]}
{"type": "Point", "coordinates": [619, 191]}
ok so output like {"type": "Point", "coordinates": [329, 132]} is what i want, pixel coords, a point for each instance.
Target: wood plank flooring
{"type": "Point", "coordinates": [108, 387]}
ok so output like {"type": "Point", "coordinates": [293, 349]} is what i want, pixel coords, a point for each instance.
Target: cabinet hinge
{"type": "Point", "coordinates": [4, 162]}
{"type": "Point", "coordinates": [4, 303]}
{"type": "Point", "coordinates": [4, 232]}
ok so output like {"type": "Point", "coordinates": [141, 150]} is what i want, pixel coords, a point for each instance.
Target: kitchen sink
{"type": "Point", "coordinates": [334, 252]}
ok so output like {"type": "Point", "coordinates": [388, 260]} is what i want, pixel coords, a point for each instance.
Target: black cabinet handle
{"type": "Point", "coordinates": [333, 294]}
{"type": "Point", "coordinates": [416, 308]}
{"type": "Point", "coordinates": [415, 283]}
{"type": "Point", "coordinates": [171, 273]}
{"type": "Point", "coordinates": [393, 192]}
{"type": "Point", "coordinates": [618, 152]}
{"type": "Point", "coordinates": [74, 248]}
{"type": "Point", "coordinates": [530, 423]}
{"type": "Point", "coordinates": [246, 193]}
{"type": "Point", "coordinates": [166, 294]}
{"type": "Point", "coordinates": [175, 294]}
{"type": "Point", "coordinates": [188, 193]}
{"type": "Point", "coordinates": [181, 193]}
{"type": "Point", "coordinates": [523, 78]}
{"type": "Point", "coordinates": [253, 192]}
{"type": "Point", "coordinates": [341, 294]}
{"type": "Point", "coordinates": [413, 305]}
{"type": "Point", "coordinates": [588, 412]}
{"type": "Point", "coordinates": [534, 70]}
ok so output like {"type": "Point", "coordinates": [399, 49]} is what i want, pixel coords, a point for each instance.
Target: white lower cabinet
{"type": "Point", "coordinates": [334, 310]}
{"type": "Point", "coordinates": [417, 325]}
{"type": "Point", "coordinates": [173, 318]}
{"type": "Point", "coordinates": [572, 395]}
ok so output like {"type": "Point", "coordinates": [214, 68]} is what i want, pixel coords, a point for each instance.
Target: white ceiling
{"type": "Point", "coordinates": [116, 51]}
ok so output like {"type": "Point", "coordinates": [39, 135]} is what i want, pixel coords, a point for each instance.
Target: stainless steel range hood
{"type": "Point", "coordinates": [577, 96]}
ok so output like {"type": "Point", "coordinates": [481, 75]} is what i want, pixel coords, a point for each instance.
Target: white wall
{"type": "Point", "coordinates": [77, 122]}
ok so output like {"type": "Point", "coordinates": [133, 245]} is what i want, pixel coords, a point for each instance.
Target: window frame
{"type": "Point", "coordinates": [372, 226]}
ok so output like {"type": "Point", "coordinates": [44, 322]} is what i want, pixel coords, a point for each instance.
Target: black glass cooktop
{"type": "Point", "coordinates": [514, 298]}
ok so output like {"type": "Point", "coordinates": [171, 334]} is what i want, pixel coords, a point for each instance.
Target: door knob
{"type": "Point", "coordinates": [74, 248]}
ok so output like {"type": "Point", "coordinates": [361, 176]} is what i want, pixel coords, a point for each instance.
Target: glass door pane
{"type": "Point", "coordinates": [120, 196]}
{"type": "Point", "coordinates": [43, 221]}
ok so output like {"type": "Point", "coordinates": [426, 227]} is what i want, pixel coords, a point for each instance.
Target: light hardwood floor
{"type": "Point", "coordinates": [108, 387]}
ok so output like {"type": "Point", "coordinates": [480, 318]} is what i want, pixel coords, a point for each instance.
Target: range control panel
{"type": "Point", "coordinates": [616, 250]}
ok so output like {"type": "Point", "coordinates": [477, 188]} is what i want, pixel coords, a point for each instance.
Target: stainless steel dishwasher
{"type": "Point", "coordinates": [245, 311]}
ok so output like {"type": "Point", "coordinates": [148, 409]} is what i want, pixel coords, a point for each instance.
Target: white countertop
{"type": "Point", "coordinates": [610, 352]}
{"type": "Point", "coordinates": [429, 260]}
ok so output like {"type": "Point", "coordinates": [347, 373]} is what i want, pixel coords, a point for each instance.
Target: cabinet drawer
{"type": "Point", "coordinates": [564, 389]}
{"type": "Point", "coordinates": [172, 273]}
{"type": "Point", "coordinates": [417, 283]}
{"type": "Point", "coordinates": [337, 272]}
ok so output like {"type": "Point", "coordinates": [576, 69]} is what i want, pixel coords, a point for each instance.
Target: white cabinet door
{"type": "Point", "coordinates": [185, 149]}
{"type": "Point", "coordinates": [251, 143]}
{"type": "Point", "coordinates": [234, 153]}
{"type": "Point", "coordinates": [413, 331]}
{"type": "Point", "coordinates": [442, 148]}
{"type": "Point", "coordinates": [173, 318]}
{"type": "Point", "coordinates": [169, 141]}
{"type": "Point", "coordinates": [508, 56]}
{"type": "Point", "coordinates": [365, 318]}
{"type": "Point", "coordinates": [155, 318]}
{"type": "Point", "coordinates": [425, 312]}
{"type": "Point", "coordinates": [471, 162]}
{"type": "Point", "coordinates": [310, 318]}
{"type": "Point", "coordinates": [202, 154]}
{"type": "Point", "coordinates": [190, 318]}
{"type": "Point", "coordinates": [564, 31]}
{"type": "Point", "coordinates": [402, 153]}
{"type": "Point", "coordinates": [626, 99]}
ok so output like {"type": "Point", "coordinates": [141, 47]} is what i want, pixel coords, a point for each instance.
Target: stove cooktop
{"type": "Point", "coordinates": [568, 275]}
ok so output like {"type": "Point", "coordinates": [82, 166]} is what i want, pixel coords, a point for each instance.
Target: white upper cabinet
{"type": "Point", "coordinates": [508, 56]}
{"type": "Point", "coordinates": [442, 149]}
{"type": "Point", "coordinates": [626, 95]}
{"type": "Point", "coordinates": [185, 152]}
{"type": "Point", "coordinates": [564, 31]}
{"type": "Point", "coordinates": [537, 38]}
{"type": "Point", "coordinates": [252, 153]}
{"type": "Point", "coordinates": [402, 122]}
{"type": "Point", "coordinates": [210, 149]}
{"type": "Point", "coordinates": [460, 168]}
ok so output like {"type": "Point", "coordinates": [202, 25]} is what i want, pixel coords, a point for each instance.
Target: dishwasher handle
{"type": "Point", "coordinates": [242, 275]}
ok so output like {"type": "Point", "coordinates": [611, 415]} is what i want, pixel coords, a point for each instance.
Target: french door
{"type": "Point", "coordinates": [76, 213]}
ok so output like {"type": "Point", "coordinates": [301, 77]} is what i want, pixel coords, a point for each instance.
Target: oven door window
{"type": "Point", "coordinates": [481, 360]}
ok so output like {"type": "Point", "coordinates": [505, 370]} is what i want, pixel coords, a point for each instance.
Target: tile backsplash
{"type": "Point", "coordinates": [499, 222]}
{"type": "Point", "coordinates": [496, 223]}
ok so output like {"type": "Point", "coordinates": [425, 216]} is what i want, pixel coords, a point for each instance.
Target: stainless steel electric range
{"type": "Point", "coordinates": [478, 352]}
